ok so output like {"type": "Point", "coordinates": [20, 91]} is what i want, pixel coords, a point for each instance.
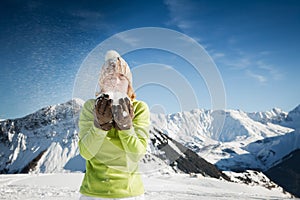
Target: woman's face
{"type": "Point", "coordinates": [115, 83]}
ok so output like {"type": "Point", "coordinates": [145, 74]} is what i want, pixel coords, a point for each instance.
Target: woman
{"type": "Point", "coordinates": [113, 135]}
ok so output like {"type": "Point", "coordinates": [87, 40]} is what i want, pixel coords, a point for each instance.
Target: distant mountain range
{"type": "Point", "coordinates": [248, 141]}
{"type": "Point", "coordinates": [186, 142]}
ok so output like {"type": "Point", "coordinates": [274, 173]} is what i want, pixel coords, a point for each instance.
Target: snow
{"type": "Point", "coordinates": [275, 115]}
{"type": "Point", "coordinates": [115, 96]}
{"type": "Point", "coordinates": [65, 186]}
{"type": "Point", "coordinates": [253, 178]}
{"type": "Point", "coordinates": [293, 118]}
{"type": "Point", "coordinates": [235, 145]}
{"type": "Point", "coordinates": [50, 132]}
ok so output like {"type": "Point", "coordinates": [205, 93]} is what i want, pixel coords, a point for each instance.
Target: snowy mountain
{"type": "Point", "coordinates": [180, 158]}
{"type": "Point", "coordinates": [186, 142]}
{"type": "Point", "coordinates": [277, 116]}
{"type": "Point", "coordinates": [39, 138]}
{"type": "Point", "coordinates": [243, 143]}
{"type": "Point", "coordinates": [293, 118]}
{"type": "Point", "coordinates": [256, 141]}
{"type": "Point", "coordinates": [46, 141]}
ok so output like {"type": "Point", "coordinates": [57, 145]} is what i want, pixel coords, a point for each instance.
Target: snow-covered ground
{"type": "Point", "coordinates": [65, 186]}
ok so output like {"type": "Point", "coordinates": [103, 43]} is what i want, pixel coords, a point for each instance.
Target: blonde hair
{"type": "Point", "coordinates": [131, 94]}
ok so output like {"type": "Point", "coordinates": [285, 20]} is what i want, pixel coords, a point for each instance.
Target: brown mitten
{"type": "Point", "coordinates": [103, 118]}
{"type": "Point", "coordinates": [123, 114]}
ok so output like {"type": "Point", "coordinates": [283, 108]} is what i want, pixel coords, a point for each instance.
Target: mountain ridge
{"type": "Point", "coordinates": [46, 141]}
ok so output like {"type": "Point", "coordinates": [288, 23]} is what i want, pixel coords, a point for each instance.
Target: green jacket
{"type": "Point", "coordinates": [112, 156]}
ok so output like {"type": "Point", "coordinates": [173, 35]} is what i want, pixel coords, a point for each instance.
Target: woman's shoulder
{"type": "Point", "coordinates": [89, 104]}
{"type": "Point", "coordinates": [140, 105]}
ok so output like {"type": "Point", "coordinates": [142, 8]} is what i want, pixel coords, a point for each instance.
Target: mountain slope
{"type": "Point", "coordinates": [38, 135]}
{"type": "Point", "coordinates": [182, 158]}
{"type": "Point", "coordinates": [266, 153]}
{"type": "Point", "coordinates": [293, 118]}
{"type": "Point", "coordinates": [277, 116]}
{"type": "Point", "coordinates": [287, 173]}
{"type": "Point", "coordinates": [229, 148]}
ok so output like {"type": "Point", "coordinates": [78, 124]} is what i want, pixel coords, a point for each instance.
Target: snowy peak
{"type": "Point", "coordinates": [231, 139]}
{"type": "Point", "coordinates": [293, 118]}
{"type": "Point", "coordinates": [295, 110]}
{"type": "Point", "coordinates": [276, 116]}
{"type": "Point", "coordinates": [238, 126]}
{"type": "Point", "coordinates": [215, 126]}
{"type": "Point", "coordinates": [56, 112]}
{"type": "Point", "coordinates": [23, 140]}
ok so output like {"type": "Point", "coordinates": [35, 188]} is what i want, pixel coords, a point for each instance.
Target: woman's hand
{"type": "Point", "coordinates": [103, 117]}
{"type": "Point", "coordinates": [123, 114]}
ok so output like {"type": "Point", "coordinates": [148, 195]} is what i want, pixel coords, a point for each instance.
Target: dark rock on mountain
{"type": "Point", "coordinates": [182, 158]}
{"type": "Point", "coordinates": [287, 173]}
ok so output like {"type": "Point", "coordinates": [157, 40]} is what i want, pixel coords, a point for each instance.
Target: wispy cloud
{"type": "Point", "coordinates": [253, 65]}
{"type": "Point", "coordinates": [232, 40]}
{"type": "Point", "coordinates": [274, 72]}
{"type": "Point", "coordinates": [179, 12]}
{"type": "Point", "coordinates": [89, 20]}
{"type": "Point", "coordinates": [265, 53]}
{"type": "Point", "coordinates": [260, 78]}
{"type": "Point", "coordinates": [132, 41]}
{"type": "Point", "coordinates": [182, 14]}
{"type": "Point", "coordinates": [216, 55]}
{"type": "Point", "coordinates": [234, 62]}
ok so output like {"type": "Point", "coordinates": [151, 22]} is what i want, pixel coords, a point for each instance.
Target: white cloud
{"type": "Point", "coordinates": [180, 12]}
{"type": "Point", "coordinates": [232, 40]}
{"type": "Point", "coordinates": [236, 62]}
{"type": "Point", "coordinates": [260, 78]}
{"type": "Point", "coordinates": [90, 20]}
{"type": "Point", "coordinates": [252, 64]}
{"type": "Point", "coordinates": [217, 55]}
{"type": "Point", "coordinates": [265, 53]}
{"type": "Point", "coordinates": [128, 39]}
{"type": "Point", "coordinates": [275, 73]}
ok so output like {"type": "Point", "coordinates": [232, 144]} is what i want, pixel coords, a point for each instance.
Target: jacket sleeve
{"type": "Point", "coordinates": [90, 137]}
{"type": "Point", "coordinates": [135, 140]}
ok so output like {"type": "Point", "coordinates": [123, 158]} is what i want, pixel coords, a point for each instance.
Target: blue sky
{"type": "Point", "coordinates": [254, 44]}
